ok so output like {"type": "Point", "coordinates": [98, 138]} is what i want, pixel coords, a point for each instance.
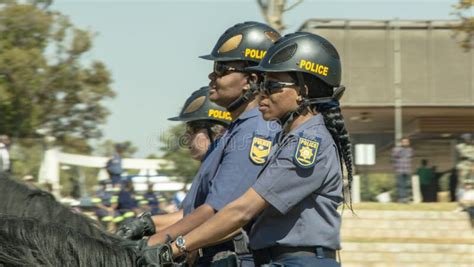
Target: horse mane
{"type": "Point", "coordinates": [29, 242]}
{"type": "Point", "coordinates": [19, 200]}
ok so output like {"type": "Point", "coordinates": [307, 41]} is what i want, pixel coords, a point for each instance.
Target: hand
{"type": "Point", "coordinates": [159, 255]}
{"type": "Point", "coordinates": [137, 228]}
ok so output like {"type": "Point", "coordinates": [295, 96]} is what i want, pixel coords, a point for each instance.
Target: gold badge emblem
{"type": "Point", "coordinates": [260, 150]}
{"type": "Point", "coordinates": [306, 151]}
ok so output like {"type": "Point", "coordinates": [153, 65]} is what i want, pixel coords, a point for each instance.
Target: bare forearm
{"type": "Point", "coordinates": [183, 226]}
{"type": "Point", "coordinates": [163, 221]}
{"type": "Point", "coordinates": [216, 229]}
{"type": "Point", "coordinates": [225, 222]}
{"type": "Point", "coordinates": [227, 237]}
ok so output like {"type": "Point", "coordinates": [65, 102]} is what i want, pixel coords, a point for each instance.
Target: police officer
{"type": "Point", "coordinates": [152, 201]}
{"type": "Point", "coordinates": [105, 203]}
{"type": "Point", "coordinates": [127, 202]}
{"type": "Point", "coordinates": [114, 166]}
{"type": "Point", "coordinates": [205, 123]}
{"type": "Point", "coordinates": [239, 155]}
{"type": "Point", "coordinates": [295, 198]}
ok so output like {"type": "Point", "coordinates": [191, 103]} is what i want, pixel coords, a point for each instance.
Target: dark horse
{"type": "Point", "coordinates": [19, 200]}
{"type": "Point", "coordinates": [37, 230]}
{"type": "Point", "coordinates": [28, 242]}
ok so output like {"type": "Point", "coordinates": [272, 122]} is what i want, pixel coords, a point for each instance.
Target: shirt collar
{"type": "Point", "coordinates": [248, 114]}
{"type": "Point", "coordinates": [314, 120]}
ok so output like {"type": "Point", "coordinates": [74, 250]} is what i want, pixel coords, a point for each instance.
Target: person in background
{"type": "Point", "coordinates": [453, 184]}
{"type": "Point", "coordinates": [105, 203]}
{"type": "Point", "coordinates": [5, 165]}
{"type": "Point", "coordinates": [152, 198]}
{"type": "Point", "coordinates": [401, 159]}
{"type": "Point", "coordinates": [426, 176]}
{"type": "Point", "coordinates": [114, 166]}
{"type": "Point", "coordinates": [127, 204]}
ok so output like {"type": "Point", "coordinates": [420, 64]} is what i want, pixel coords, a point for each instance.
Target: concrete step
{"type": "Point", "coordinates": [406, 214]}
{"type": "Point", "coordinates": [407, 257]}
{"type": "Point", "coordinates": [466, 236]}
{"type": "Point", "coordinates": [407, 247]}
{"type": "Point", "coordinates": [427, 224]}
{"type": "Point", "coordinates": [395, 264]}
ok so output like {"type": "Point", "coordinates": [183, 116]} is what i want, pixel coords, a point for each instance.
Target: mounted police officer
{"type": "Point", "coordinates": [205, 123]}
{"type": "Point", "coordinates": [114, 166]}
{"type": "Point", "coordinates": [238, 156]}
{"type": "Point", "coordinates": [295, 198]}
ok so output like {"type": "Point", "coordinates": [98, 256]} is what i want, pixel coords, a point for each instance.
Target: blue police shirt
{"type": "Point", "coordinates": [199, 188]}
{"type": "Point", "coordinates": [302, 182]}
{"type": "Point", "coordinates": [126, 200]}
{"type": "Point", "coordinates": [234, 162]}
{"type": "Point", "coordinates": [114, 165]}
{"type": "Point", "coordinates": [105, 197]}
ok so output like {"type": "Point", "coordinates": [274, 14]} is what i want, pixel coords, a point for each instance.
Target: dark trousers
{"type": "Point", "coordinates": [403, 187]}
{"type": "Point", "coordinates": [425, 192]}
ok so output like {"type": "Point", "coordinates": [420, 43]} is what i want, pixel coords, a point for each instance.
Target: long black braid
{"type": "Point", "coordinates": [335, 124]}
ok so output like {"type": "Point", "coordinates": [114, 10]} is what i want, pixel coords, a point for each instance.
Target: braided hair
{"type": "Point", "coordinates": [335, 124]}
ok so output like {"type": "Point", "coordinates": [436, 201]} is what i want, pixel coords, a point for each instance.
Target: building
{"type": "Point", "coordinates": [436, 85]}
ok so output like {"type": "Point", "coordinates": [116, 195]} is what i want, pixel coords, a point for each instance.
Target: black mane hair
{"type": "Point", "coordinates": [29, 242]}
{"type": "Point", "coordinates": [19, 200]}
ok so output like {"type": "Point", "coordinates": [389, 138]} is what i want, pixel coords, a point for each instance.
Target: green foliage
{"type": "Point", "coordinates": [174, 149]}
{"type": "Point", "coordinates": [464, 11]}
{"type": "Point", "coordinates": [42, 82]}
{"type": "Point", "coordinates": [375, 183]}
{"type": "Point", "coordinates": [26, 155]}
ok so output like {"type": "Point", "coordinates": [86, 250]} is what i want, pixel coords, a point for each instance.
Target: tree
{"type": "Point", "coordinates": [272, 12]}
{"type": "Point", "coordinates": [175, 150]}
{"type": "Point", "coordinates": [466, 28]}
{"type": "Point", "coordinates": [43, 84]}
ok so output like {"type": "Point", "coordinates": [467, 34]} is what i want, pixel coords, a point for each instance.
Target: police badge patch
{"type": "Point", "coordinates": [306, 151]}
{"type": "Point", "coordinates": [260, 150]}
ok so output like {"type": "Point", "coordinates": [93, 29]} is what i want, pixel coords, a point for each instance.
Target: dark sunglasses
{"type": "Point", "coordinates": [221, 69]}
{"type": "Point", "coordinates": [270, 87]}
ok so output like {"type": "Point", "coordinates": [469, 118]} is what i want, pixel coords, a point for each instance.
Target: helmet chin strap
{"type": "Point", "coordinates": [209, 134]}
{"type": "Point", "coordinates": [327, 102]}
{"type": "Point", "coordinates": [244, 98]}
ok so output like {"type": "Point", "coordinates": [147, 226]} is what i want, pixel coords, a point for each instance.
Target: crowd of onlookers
{"type": "Point", "coordinates": [115, 204]}
{"type": "Point", "coordinates": [461, 189]}
{"type": "Point", "coordinates": [429, 176]}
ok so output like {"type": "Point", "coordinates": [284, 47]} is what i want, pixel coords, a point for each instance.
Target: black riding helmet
{"type": "Point", "coordinates": [249, 42]}
{"type": "Point", "coordinates": [303, 52]}
{"type": "Point", "coordinates": [198, 107]}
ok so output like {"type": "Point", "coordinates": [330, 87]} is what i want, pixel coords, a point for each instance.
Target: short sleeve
{"type": "Point", "coordinates": [283, 184]}
{"type": "Point", "coordinates": [236, 172]}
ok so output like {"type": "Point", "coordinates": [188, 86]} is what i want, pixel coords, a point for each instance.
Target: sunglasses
{"type": "Point", "coordinates": [221, 69]}
{"type": "Point", "coordinates": [270, 87]}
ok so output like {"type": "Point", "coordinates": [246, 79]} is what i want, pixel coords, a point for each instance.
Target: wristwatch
{"type": "Point", "coordinates": [181, 244]}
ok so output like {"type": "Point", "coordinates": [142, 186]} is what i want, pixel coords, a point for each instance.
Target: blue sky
{"type": "Point", "coordinates": [152, 48]}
